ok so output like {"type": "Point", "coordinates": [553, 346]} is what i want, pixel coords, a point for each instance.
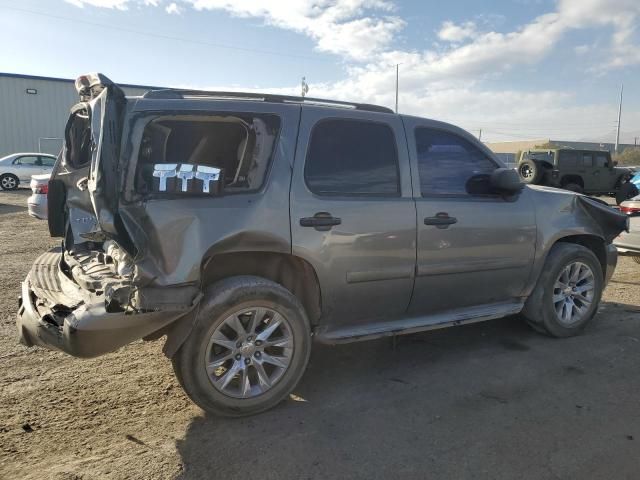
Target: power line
{"type": "Point", "coordinates": [170, 37]}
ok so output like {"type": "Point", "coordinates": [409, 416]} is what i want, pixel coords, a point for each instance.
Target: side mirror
{"type": "Point", "coordinates": [506, 180]}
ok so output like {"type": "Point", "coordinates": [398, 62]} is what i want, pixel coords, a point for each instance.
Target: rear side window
{"type": "Point", "coordinates": [352, 157]}
{"type": "Point", "coordinates": [451, 165]}
{"type": "Point", "coordinates": [568, 159]}
{"type": "Point", "coordinates": [240, 144]}
{"type": "Point", "coordinates": [48, 161]}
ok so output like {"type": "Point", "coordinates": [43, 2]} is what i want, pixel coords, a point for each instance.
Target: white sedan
{"type": "Point", "coordinates": [37, 202]}
{"type": "Point", "coordinates": [19, 167]}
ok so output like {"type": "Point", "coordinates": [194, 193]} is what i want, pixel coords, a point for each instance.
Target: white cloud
{"type": "Point", "coordinates": [351, 28]}
{"type": "Point", "coordinates": [119, 4]}
{"type": "Point", "coordinates": [173, 8]}
{"type": "Point", "coordinates": [450, 32]}
{"type": "Point", "coordinates": [448, 80]}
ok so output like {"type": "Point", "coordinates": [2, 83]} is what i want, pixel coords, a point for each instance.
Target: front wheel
{"type": "Point", "coordinates": [9, 181]}
{"type": "Point", "coordinates": [248, 349]}
{"type": "Point", "coordinates": [568, 291]}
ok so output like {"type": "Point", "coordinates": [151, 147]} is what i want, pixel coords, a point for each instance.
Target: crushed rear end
{"type": "Point", "coordinates": [86, 298]}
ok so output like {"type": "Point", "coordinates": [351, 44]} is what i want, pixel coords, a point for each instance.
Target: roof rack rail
{"type": "Point", "coordinates": [176, 93]}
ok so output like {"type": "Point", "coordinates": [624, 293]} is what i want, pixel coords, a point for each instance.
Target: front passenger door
{"type": "Point", "coordinates": [475, 248]}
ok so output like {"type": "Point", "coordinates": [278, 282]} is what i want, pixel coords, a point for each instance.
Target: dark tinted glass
{"type": "Point", "coordinates": [48, 161]}
{"type": "Point", "coordinates": [449, 164]}
{"type": "Point", "coordinates": [351, 157]}
{"type": "Point", "coordinates": [568, 159]}
{"type": "Point", "coordinates": [587, 160]}
{"type": "Point", "coordinates": [601, 161]}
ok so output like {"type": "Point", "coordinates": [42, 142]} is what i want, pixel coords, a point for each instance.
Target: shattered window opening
{"type": "Point", "coordinates": [240, 145]}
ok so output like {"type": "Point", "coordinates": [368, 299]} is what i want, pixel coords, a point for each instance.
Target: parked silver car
{"type": "Point", "coordinates": [37, 202]}
{"type": "Point", "coordinates": [19, 167]}
{"type": "Point", "coordinates": [628, 243]}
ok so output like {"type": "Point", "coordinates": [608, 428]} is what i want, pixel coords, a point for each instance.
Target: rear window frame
{"type": "Point", "coordinates": [134, 131]}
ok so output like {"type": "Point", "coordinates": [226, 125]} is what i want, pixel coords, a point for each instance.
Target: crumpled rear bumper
{"type": "Point", "coordinates": [88, 330]}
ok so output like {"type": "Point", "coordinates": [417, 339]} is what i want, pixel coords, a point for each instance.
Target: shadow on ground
{"type": "Point", "coordinates": [4, 209]}
{"type": "Point", "coordinates": [460, 402]}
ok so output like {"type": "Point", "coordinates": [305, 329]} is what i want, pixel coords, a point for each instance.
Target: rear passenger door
{"type": "Point", "coordinates": [475, 248]}
{"type": "Point", "coordinates": [592, 177]}
{"type": "Point", "coordinates": [352, 213]}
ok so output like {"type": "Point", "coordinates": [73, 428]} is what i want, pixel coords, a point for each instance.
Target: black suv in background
{"type": "Point", "coordinates": [583, 171]}
{"type": "Point", "coordinates": [242, 226]}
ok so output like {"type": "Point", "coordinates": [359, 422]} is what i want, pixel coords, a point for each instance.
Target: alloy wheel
{"type": "Point", "coordinates": [573, 293]}
{"type": "Point", "coordinates": [9, 183]}
{"type": "Point", "coordinates": [249, 352]}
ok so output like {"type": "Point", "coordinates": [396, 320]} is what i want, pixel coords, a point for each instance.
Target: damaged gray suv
{"type": "Point", "coordinates": [243, 226]}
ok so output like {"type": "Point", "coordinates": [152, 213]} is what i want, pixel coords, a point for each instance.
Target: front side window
{"type": "Point", "coordinates": [352, 157]}
{"type": "Point", "coordinates": [587, 160]}
{"type": "Point", "coordinates": [451, 165]}
{"type": "Point", "coordinates": [602, 161]}
{"type": "Point", "coordinates": [239, 145]}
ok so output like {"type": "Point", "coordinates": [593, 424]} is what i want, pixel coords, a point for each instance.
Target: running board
{"type": "Point", "coordinates": [404, 326]}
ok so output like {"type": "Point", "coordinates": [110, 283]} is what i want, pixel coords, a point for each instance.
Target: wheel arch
{"type": "Point", "coordinates": [567, 179]}
{"type": "Point", "coordinates": [292, 272]}
{"type": "Point", "coordinates": [592, 242]}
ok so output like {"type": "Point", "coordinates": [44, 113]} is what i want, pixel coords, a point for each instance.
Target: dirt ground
{"type": "Point", "coordinates": [492, 400]}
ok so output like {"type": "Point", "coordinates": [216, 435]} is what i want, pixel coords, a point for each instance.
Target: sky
{"type": "Point", "coordinates": [515, 69]}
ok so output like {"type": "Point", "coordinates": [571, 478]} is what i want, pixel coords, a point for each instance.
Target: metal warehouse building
{"type": "Point", "coordinates": [34, 111]}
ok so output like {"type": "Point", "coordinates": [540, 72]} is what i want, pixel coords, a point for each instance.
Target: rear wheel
{"type": "Point", "coordinates": [529, 171]}
{"type": "Point", "coordinates": [574, 187]}
{"type": "Point", "coordinates": [248, 349]}
{"type": "Point", "coordinates": [9, 181]}
{"type": "Point", "coordinates": [568, 291]}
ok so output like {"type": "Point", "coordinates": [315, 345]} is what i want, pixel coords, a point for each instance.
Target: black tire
{"type": "Point", "coordinates": [539, 309]}
{"type": "Point", "coordinates": [9, 181]}
{"type": "Point", "coordinates": [625, 192]}
{"type": "Point", "coordinates": [530, 171]}
{"type": "Point", "coordinates": [221, 301]}
{"type": "Point", "coordinates": [573, 187]}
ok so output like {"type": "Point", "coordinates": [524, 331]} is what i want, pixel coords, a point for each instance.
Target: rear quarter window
{"type": "Point", "coordinates": [241, 145]}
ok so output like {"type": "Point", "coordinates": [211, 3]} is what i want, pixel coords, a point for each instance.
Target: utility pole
{"type": "Point", "coordinates": [619, 118]}
{"type": "Point", "coordinates": [480, 135]}
{"type": "Point", "coordinates": [397, 78]}
{"type": "Point", "coordinates": [304, 87]}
